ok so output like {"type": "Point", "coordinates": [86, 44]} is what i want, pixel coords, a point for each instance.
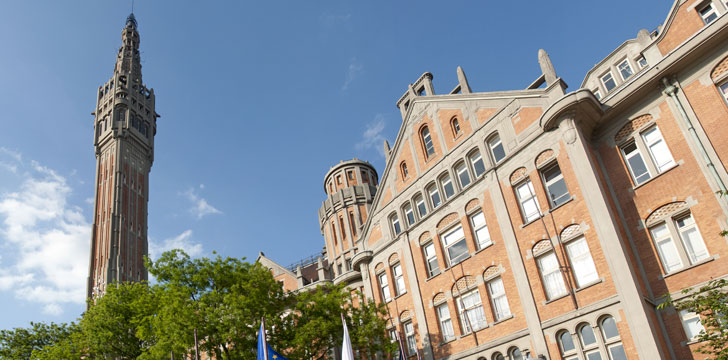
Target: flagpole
{"type": "Point", "coordinates": [265, 340]}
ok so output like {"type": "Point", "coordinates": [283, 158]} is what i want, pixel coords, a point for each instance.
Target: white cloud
{"type": "Point", "coordinates": [13, 154]}
{"type": "Point", "coordinates": [182, 241]}
{"type": "Point", "coordinates": [200, 207]}
{"type": "Point", "coordinates": [352, 73]}
{"type": "Point", "coordinates": [47, 237]}
{"type": "Point", "coordinates": [372, 136]}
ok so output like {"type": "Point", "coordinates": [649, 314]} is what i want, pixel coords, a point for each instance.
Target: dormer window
{"type": "Point", "coordinates": [608, 81]}
{"type": "Point", "coordinates": [708, 13]}
{"type": "Point", "coordinates": [625, 70]}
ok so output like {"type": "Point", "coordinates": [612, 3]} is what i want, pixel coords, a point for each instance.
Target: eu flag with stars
{"type": "Point", "coordinates": [273, 355]}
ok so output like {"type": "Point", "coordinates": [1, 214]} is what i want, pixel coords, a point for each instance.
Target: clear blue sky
{"type": "Point", "coordinates": [258, 99]}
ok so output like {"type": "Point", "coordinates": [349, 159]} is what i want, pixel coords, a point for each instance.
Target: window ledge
{"type": "Point", "coordinates": [455, 264]}
{"type": "Point", "coordinates": [484, 247]}
{"type": "Point", "coordinates": [701, 262]}
{"type": "Point", "coordinates": [554, 299]}
{"type": "Point", "coordinates": [501, 320]}
{"type": "Point", "coordinates": [449, 340]}
{"type": "Point", "coordinates": [433, 276]}
{"type": "Point", "coordinates": [571, 198]}
{"type": "Point", "coordinates": [595, 282]}
{"type": "Point", "coordinates": [657, 176]}
{"type": "Point", "coordinates": [400, 295]}
{"type": "Point", "coordinates": [532, 221]}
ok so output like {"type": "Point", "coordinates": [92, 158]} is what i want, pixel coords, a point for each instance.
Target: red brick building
{"type": "Point", "coordinates": [540, 222]}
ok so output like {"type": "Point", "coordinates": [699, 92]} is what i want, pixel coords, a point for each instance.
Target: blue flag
{"type": "Point", "coordinates": [273, 355]}
{"type": "Point", "coordinates": [265, 351]}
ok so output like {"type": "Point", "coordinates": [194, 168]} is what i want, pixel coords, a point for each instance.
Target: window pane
{"type": "Point", "coordinates": [583, 265]}
{"type": "Point", "coordinates": [556, 186]}
{"type": "Point", "coordinates": [463, 175]}
{"type": "Point", "coordinates": [478, 166]}
{"type": "Point", "coordinates": [587, 335]}
{"type": "Point", "coordinates": [567, 342]}
{"type": "Point", "coordinates": [409, 214]}
{"type": "Point", "coordinates": [658, 148]}
{"type": "Point", "coordinates": [616, 352]}
{"type": "Point", "coordinates": [528, 201]}
{"type": "Point", "coordinates": [421, 207]}
{"type": "Point", "coordinates": [708, 14]}
{"type": "Point", "coordinates": [496, 148]}
{"type": "Point", "coordinates": [431, 257]}
{"type": "Point", "coordinates": [608, 82]}
{"type": "Point", "coordinates": [691, 324]}
{"type": "Point", "coordinates": [447, 186]}
{"type": "Point", "coordinates": [635, 163]}
{"type": "Point", "coordinates": [457, 252]}
{"type": "Point", "coordinates": [553, 281]}
{"type": "Point", "coordinates": [482, 236]}
{"type": "Point", "coordinates": [427, 140]}
{"type": "Point", "coordinates": [690, 236]}
{"type": "Point", "coordinates": [595, 355]}
{"type": "Point", "coordinates": [625, 69]}
{"type": "Point", "coordinates": [666, 248]}
{"type": "Point", "coordinates": [609, 328]}
{"type": "Point", "coordinates": [515, 354]}
{"type": "Point", "coordinates": [434, 196]}
{"type": "Point", "coordinates": [498, 298]}
{"type": "Point", "coordinates": [445, 323]}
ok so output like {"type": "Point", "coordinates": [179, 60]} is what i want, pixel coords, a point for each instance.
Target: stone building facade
{"type": "Point", "coordinates": [124, 129]}
{"type": "Point", "coordinates": [541, 222]}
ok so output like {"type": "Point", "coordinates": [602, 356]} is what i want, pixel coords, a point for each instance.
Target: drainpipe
{"type": "Point", "coordinates": [671, 91]}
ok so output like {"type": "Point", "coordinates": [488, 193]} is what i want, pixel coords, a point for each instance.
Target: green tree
{"type": "Point", "coordinates": [20, 343]}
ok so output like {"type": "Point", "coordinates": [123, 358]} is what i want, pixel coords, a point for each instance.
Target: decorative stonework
{"type": "Point", "coordinates": [491, 272]}
{"type": "Point", "coordinates": [425, 237]}
{"type": "Point", "coordinates": [518, 175]}
{"type": "Point", "coordinates": [541, 247]}
{"type": "Point", "coordinates": [447, 220]}
{"type": "Point", "coordinates": [405, 315]}
{"type": "Point", "coordinates": [393, 259]}
{"type": "Point", "coordinates": [631, 127]}
{"type": "Point", "coordinates": [544, 157]}
{"type": "Point", "coordinates": [665, 210]}
{"type": "Point", "coordinates": [463, 284]}
{"type": "Point", "coordinates": [440, 297]}
{"type": "Point", "coordinates": [570, 231]}
{"type": "Point", "coordinates": [472, 204]}
{"type": "Point", "coordinates": [719, 69]}
{"type": "Point", "coordinates": [379, 267]}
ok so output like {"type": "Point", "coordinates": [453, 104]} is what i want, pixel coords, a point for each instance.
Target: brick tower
{"type": "Point", "coordinates": [124, 129]}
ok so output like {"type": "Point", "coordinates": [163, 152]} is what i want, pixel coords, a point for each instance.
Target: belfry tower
{"type": "Point", "coordinates": [124, 129]}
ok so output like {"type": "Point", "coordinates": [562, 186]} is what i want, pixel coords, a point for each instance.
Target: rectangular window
{"type": "Point", "coordinates": [443, 314]}
{"type": "Point", "coordinates": [641, 62]}
{"type": "Point", "coordinates": [691, 239]}
{"type": "Point", "coordinates": [427, 140]}
{"type": "Point", "coordinates": [463, 175]}
{"type": "Point", "coordinates": [553, 281]}
{"type": "Point", "coordinates": [581, 262]}
{"type": "Point", "coordinates": [431, 258]}
{"type": "Point", "coordinates": [421, 207]}
{"type": "Point", "coordinates": [708, 14]}
{"type": "Point", "coordinates": [724, 90]}
{"type": "Point", "coordinates": [447, 186]}
{"type": "Point", "coordinates": [471, 306]}
{"type": "Point", "coordinates": [477, 162]}
{"type": "Point", "coordinates": [496, 149]}
{"type": "Point", "coordinates": [636, 165]}
{"type": "Point", "coordinates": [455, 246]}
{"type": "Point", "coordinates": [625, 70]}
{"type": "Point", "coordinates": [608, 81]}
{"type": "Point", "coordinates": [398, 280]}
{"type": "Point", "coordinates": [597, 94]}
{"type": "Point", "coordinates": [528, 201]}
{"type": "Point", "coordinates": [409, 332]}
{"type": "Point", "coordinates": [434, 196]}
{"type": "Point", "coordinates": [691, 324]}
{"type": "Point", "coordinates": [409, 214]}
{"type": "Point", "coordinates": [384, 286]}
{"type": "Point", "coordinates": [666, 248]}
{"type": "Point", "coordinates": [555, 185]}
{"type": "Point", "coordinates": [498, 299]}
{"type": "Point", "coordinates": [396, 227]}
{"type": "Point", "coordinates": [658, 149]}
{"type": "Point", "coordinates": [480, 228]}
{"type": "Point", "coordinates": [352, 224]}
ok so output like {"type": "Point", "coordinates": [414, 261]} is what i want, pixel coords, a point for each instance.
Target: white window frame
{"type": "Point", "coordinates": [571, 354]}
{"type": "Point", "coordinates": [493, 143]}
{"type": "Point", "coordinates": [658, 149]}
{"type": "Point", "coordinates": [399, 284]}
{"type": "Point", "coordinates": [613, 342]}
{"type": "Point", "coordinates": [384, 286]}
{"type": "Point", "coordinates": [443, 316]}
{"type": "Point", "coordinates": [551, 277]}
{"type": "Point", "coordinates": [723, 89]}
{"type": "Point", "coordinates": [527, 198]}
{"type": "Point", "coordinates": [409, 214]}
{"type": "Point", "coordinates": [689, 321]}
{"type": "Point", "coordinates": [427, 141]}
{"type": "Point", "coordinates": [582, 263]}
{"type": "Point", "coordinates": [474, 157]}
{"type": "Point", "coordinates": [611, 78]}
{"type": "Point", "coordinates": [684, 252]}
{"type": "Point", "coordinates": [498, 299]}
{"type": "Point", "coordinates": [411, 341]}
{"type": "Point", "coordinates": [480, 230]}
{"type": "Point", "coordinates": [627, 66]}
{"type": "Point", "coordinates": [561, 199]}
{"type": "Point", "coordinates": [706, 11]}
{"type": "Point", "coordinates": [430, 254]}
{"type": "Point", "coordinates": [455, 126]}
{"type": "Point", "coordinates": [432, 191]}
{"type": "Point", "coordinates": [446, 182]}
{"type": "Point", "coordinates": [643, 177]}
{"type": "Point", "coordinates": [641, 62]}
{"type": "Point", "coordinates": [476, 314]}
{"type": "Point", "coordinates": [461, 169]}
{"type": "Point", "coordinates": [421, 205]}
{"type": "Point", "coordinates": [597, 94]}
{"type": "Point", "coordinates": [396, 226]}
{"type": "Point", "coordinates": [454, 236]}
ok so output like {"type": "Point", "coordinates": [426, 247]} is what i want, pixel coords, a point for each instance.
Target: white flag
{"type": "Point", "coordinates": [346, 352]}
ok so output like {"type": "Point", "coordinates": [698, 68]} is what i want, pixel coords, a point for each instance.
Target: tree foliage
{"type": "Point", "coordinates": [223, 300]}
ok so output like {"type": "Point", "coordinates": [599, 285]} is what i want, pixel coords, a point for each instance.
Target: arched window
{"type": "Point", "coordinates": [427, 141]}
{"type": "Point", "coordinates": [463, 174]}
{"type": "Point", "coordinates": [566, 345]}
{"type": "Point", "coordinates": [589, 342]}
{"type": "Point", "coordinates": [498, 356]}
{"type": "Point", "coordinates": [612, 341]}
{"type": "Point", "coordinates": [497, 151]}
{"type": "Point", "coordinates": [476, 161]}
{"type": "Point", "coordinates": [403, 170]}
{"type": "Point", "coordinates": [447, 186]}
{"type": "Point", "coordinates": [514, 354]}
{"type": "Point", "coordinates": [455, 126]}
{"type": "Point", "coordinates": [409, 214]}
{"type": "Point", "coordinates": [434, 193]}
{"type": "Point", "coordinates": [419, 202]}
{"type": "Point", "coordinates": [676, 237]}
{"type": "Point", "coordinates": [396, 226]}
